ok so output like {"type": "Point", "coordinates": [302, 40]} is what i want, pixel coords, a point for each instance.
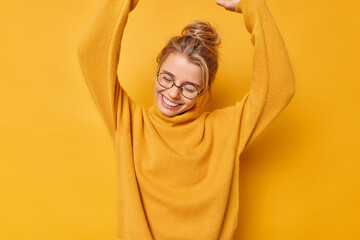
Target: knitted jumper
{"type": "Point", "coordinates": [178, 177]}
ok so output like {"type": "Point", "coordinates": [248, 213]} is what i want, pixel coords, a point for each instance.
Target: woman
{"type": "Point", "coordinates": [178, 166]}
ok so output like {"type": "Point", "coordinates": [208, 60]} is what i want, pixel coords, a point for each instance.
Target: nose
{"type": "Point", "coordinates": [174, 92]}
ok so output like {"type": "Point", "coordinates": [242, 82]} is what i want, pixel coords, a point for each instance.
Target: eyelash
{"type": "Point", "coordinates": [169, 80]}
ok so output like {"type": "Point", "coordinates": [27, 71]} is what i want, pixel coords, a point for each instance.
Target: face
{"type": "Point", "coordinates": [170, 101]}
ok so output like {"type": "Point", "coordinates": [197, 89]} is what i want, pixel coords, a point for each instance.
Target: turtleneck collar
{"type": "Point", "coordinates": [181, 119]}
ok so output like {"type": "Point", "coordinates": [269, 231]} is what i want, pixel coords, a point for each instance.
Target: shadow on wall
{"type": "Point", "coordinates": [272, 151]}
{"type": "Point", "coordinates": [224, 96]}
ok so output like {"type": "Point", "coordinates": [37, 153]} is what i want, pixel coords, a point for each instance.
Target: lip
{"type": "Point", "coordinates": [168, 106]}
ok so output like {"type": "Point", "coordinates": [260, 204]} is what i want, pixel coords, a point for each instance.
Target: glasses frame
{"type": "Point", "coordinates": [180, 87]}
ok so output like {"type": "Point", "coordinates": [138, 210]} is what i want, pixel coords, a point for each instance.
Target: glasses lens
{"type": "Point", "coordinates": [189, 91]}
{"type": "Point", "coordinates": [165, 80]}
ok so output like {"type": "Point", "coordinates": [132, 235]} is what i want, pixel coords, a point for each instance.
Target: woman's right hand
{"type": "Point", "coordinates": [228, 4]}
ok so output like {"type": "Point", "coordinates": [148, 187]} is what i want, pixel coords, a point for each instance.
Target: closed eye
{"type": "Point", "coordinates": [167, 79]}
{"type": "Point", "coordinates": [190, 88]}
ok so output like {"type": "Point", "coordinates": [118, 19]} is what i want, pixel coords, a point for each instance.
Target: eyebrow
{"type": "Point", "coordinates": [173, 76]}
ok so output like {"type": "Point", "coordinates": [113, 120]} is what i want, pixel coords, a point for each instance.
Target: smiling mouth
{"type": "Point", "coordinates": [169, 103]}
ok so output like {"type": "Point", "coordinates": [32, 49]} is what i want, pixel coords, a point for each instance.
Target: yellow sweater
{"type": "Point", "coordinates": [178, 176]}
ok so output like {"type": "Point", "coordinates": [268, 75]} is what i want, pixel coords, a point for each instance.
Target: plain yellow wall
{"type": "Point", "coordinates": [299, 180]}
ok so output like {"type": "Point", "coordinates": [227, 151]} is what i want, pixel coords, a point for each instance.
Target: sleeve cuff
{"type": "Point", "coordinates": [238, 7]}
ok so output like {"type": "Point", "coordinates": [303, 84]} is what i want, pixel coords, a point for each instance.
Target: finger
{"type": "Point", "coordinates": [224, 4]}
{"type": "Point", "coordinates": [219, 2]}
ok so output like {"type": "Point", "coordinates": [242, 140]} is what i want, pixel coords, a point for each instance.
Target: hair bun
{"type": "Point", "coordinates": [204, 32]}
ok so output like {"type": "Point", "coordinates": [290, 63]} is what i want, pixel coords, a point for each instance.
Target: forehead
{"type": "Point", "coordinates": [182, 69]}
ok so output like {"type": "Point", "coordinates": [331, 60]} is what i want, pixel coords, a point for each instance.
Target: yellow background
{"type": "Point", "coordinates": [299, 180]}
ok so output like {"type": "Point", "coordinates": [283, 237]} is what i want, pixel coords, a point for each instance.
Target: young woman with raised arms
{"type": "Point", "coordinates": [178, 166]}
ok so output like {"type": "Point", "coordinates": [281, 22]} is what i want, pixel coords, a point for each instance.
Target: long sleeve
{"type": "Point", "coordinates": [98, 54]}
{"type": "Point", "coordinates": [273, 83]}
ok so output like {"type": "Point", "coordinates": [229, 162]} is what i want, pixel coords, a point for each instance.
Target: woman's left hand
{"type": "Point", "coordinates": [228, 4]}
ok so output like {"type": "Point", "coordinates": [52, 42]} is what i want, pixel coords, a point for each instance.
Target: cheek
{"type": "Point", "coordinates": [156, 89]}
{"type": "Point", "coordinates": [190, 103]}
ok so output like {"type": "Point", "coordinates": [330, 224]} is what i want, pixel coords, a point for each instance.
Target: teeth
{"type": "Point", "coordinates": [170, 103]}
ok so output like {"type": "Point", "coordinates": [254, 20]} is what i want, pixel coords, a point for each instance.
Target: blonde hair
{"type": "Point", "coordinates": [198, 42]}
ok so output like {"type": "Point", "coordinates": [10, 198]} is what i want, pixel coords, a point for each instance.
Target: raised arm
{"type": "Point", "coordinates": [98, 54]}
{"type": "Point", "coordinates": [273, 83]}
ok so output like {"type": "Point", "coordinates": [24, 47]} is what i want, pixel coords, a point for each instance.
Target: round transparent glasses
{"type": "Point", "coordinates": [188, 90]}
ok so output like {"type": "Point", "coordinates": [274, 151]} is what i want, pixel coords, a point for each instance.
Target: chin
{"type": "Point", "coordinates": [170, 111]}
